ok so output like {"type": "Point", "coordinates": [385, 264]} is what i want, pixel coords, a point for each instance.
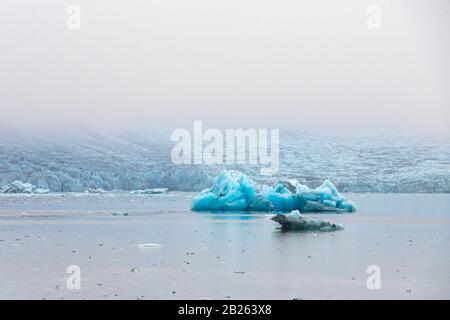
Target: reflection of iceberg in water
{"type": "Point", "coordinates": [235, 191]}
{"type": "Point", "coordinates": [231, 215]}
{"type": "Point", "coordinates": [295, 221]}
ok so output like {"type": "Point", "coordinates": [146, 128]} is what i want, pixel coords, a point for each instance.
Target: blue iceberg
{"type": "Point", "coordinates": [235, 191]}
{"type": "Point", "coordinates": [231, 191]}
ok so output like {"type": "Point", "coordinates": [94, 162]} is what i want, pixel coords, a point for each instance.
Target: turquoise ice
{"type": "Point", "coordinates": [235, 191]}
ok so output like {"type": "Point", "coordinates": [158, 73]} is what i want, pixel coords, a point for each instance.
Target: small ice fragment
{"type": "Point", "coordinates": [151, 191]}
{"type": "Point", "coordinates": [95, 190]}
{"type": "Point", "coordinates": [148, 245]}
{"type": "Point", "coordinates": [120, 214]}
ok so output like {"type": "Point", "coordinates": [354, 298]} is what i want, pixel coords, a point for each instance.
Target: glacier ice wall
{"type": "Point", "coordinates": [131, 161]}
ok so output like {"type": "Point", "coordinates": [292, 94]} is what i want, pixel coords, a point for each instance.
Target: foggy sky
{"type": "Point", "coordinates": [249, 63]}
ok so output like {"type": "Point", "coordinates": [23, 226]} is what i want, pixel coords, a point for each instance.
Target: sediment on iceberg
{"type": "Point", "coordinates": [235, 191]}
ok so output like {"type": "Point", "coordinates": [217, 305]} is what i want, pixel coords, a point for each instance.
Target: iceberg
{"type": "Point", "coordinates": [22, 187]}
{"type": "Point", "coordinates": [231, 191]}
{"type": "Point", "coordinates": [295, 221]}
{"type": "Point", "coordinates": [151, 191]}
{"type": "Point", "coordinates": [324, 198]}
{"type": "Point", "coordinates": [235, 191]}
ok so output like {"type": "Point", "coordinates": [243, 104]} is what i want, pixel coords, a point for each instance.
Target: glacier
{"type": "Point", "coordinates": [76, 160]}
{"type": "Point", "coordinates": [235, 191]}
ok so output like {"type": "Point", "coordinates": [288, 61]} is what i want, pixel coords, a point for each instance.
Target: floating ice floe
{"type": "Point", "coordinates": [21, 187]}
{"type": "Point", "coordinates": [295, 221]}
{"type": "Point", "coordinates": [235, 191]}
{"type": "Point", "coordinates": [120, 214]}
{"type": "Point", "coordinates": [151, 191]}
{"type": "Point", "coordinates": [95, 190]}
{"type": "Point", "coordinates": [148, 245]}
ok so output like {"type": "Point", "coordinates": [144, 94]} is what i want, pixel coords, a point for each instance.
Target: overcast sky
{"type": "Point", "coordinates": [250, 63]}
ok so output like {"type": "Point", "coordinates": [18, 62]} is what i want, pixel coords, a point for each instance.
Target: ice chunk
{"type": "Point", "coordinates": [18, 187]}
{"type": "Point", "coordinates": [283, 197]}
{"type": "Point", "coordinates": [151, 191]}
{"type": "Point", "coordinates": [120, 214]}
{"type": "Point", "coordinates": [295, 221]}
{"type": "Point", "coordinates": [235, 191]}
{"type": "Point", "coordinates": [40, 190]}
{"type": "Point", "coordinates": [231, 191]}
{"type": "Point", "coordinates": [95, 190]}
{"type": "Point", "coordinates": [21, 187]}
{"type": "Point", "coordinates": [148, 245]}
{"type": "Point", "coordinates": [290, 195]}
{"type": "Point", "coordinates": [324, 198]}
